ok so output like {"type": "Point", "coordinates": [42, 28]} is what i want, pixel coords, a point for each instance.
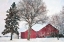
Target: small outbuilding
{"type": "Point", "coordinates": [24, 35]}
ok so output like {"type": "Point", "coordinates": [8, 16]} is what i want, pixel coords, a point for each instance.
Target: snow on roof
{"type": "Point", "coordinates": [36, 27]}
{"type": "Point", "coordinates": [23, 29]}
{"type": "Point", "coordinates": [22, 26]}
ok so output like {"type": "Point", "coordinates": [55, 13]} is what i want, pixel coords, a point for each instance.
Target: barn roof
{"type": "Point", "coordinates": [52, 26]}
{"type": "Point", "coordinates": [36, 27]}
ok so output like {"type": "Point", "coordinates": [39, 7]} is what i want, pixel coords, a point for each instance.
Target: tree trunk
{"type": "Point", "coordinates": [11, 36]}
{"type": "Point", "coordinates": [29, 30]}
{"type": "Point", "coordinates": [18, 36]}
{"type": "Point", "coordinates": [58, 36]}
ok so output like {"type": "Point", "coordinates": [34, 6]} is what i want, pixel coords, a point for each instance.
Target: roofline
{"type": "Point", "coordinates": [31, 28]}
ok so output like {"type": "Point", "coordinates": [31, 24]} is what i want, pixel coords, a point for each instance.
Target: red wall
{"type": "Point", "coordinates": [46, 31]}
{"type": "Point", "coordinates": [25, 34]}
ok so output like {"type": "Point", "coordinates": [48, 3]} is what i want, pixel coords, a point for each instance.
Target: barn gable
{"type": "Point", "coordinates": [48, 30]}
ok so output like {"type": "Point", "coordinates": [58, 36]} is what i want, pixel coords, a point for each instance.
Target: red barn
{"type": "Point", "coordinates": [25, 34]}
{"type": "Point", "coordinates": [48, 30]}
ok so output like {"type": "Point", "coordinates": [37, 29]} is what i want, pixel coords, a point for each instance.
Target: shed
{"type": "Point", "coordinates": [24, 35]}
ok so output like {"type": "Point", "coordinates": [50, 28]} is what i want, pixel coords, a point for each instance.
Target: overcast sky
{"type": "Point", "coordinates": [53, 6]}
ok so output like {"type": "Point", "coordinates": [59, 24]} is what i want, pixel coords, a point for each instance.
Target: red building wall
{"type": "Point", "coordinates": [25, 34]}
{"type": "Point", "coordinates": [44, 32]}
{"type": "Point", "coordinates": [47, 31]}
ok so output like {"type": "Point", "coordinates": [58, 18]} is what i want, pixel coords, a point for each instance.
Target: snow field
{"type": "Point", "coordinates": [3, 39]}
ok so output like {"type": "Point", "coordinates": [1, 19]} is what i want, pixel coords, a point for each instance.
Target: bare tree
{"type": "Point", "coordinates": [54, 20]}
{"type": "Point", "coordinates": [32, 11]}
{"type": "Point", "coordinates": [58, 21]}
{"type": "Point", "coordinates": [62, 20]}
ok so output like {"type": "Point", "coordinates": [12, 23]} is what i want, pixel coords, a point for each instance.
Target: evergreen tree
{"type": "Point", "coordinates": [12, 21]}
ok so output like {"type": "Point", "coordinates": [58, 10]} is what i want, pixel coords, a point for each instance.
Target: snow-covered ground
{"type": "Point", "coordinates": [7, 39]}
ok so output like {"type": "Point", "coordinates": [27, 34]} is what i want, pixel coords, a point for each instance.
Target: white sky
{"type": "Point", "coordinates": [53, 6]}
